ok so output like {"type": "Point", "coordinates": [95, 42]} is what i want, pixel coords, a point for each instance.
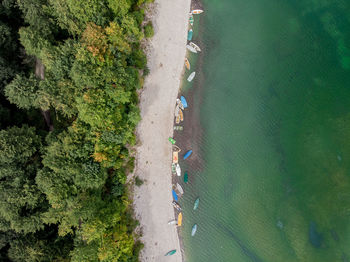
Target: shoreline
{"type": "Point", "coordinates": [152, 200]}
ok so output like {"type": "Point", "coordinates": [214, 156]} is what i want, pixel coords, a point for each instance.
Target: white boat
{"type": "Point", "coordinates": [178, 170]}
{"type": "Point", "coordinates": [179, 188]}
{"type": "Point", "coordinates": [178, 101]}
{"type": "Point", "coordinates": [172, 222]}
{"type": "Point", "coordinates": [191, 76]}
{"type": "Point", "coordinates": [191, 48]}
{"type": "Point", "coordinates": [197, 11]}
{"type": "Point", "coordinates": [177, 110]}
{"type": "Point", "coordinates": [196, 47]}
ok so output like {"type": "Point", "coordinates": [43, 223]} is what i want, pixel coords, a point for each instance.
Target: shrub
{"type": "Point", "coordinates": [148, 29]}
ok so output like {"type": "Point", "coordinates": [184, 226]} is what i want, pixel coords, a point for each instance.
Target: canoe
{"type": "Point", "coordinates": [184, 102]}
{"type": "Point", "coordinates": [179, 220]}
{"type": "Point", "coordinates": [175, 195]}
{"type": "Point", "coordinates": [178, 170]}
{"type": "Point", "coordinates": [173, 168]}
{"type": "Point", "coordinates": [194, 230]}
{"type": "Point", "coordinates": [187, 64]}
{"type": "Point", "coordinates": [178, 128]}
{"type": "Point", "coordinates": [177, 109]}
{"type": "Point", "coordinates": [190, 78]}
{"type": "Point", "coordinates": [172, 222]}
{"type": "Point", "coordinates": [179, 188]}
{"type": "Point", "coordinates": [179, 103]}
{"type": "Point", "coordinates": [189, 35]}
{"type": "Point", "coordinates": [197, 11]}
{"type": "Point", "coordinates": [196, 47]}
{"type": "Point", "coordinates": [175, 158]}
{"type": "Point", "coordinates": [196, 204]}
{"type": "Point", "coordinates": [171, 252]}
{"type": "Point", "coordinates": [188, 153]}
{"type": "Point", "coordinates": [186, 178]}
{"type": "Point", "coordinates": [176, 205]}
{"type": "Point", "coordinates": [172, 140]}
{"type": "Point", "coordinates": [191, 48]}
{"type": "Point", "coordinates": [191, 20]}
{"type": "Point", "coordinates": [181, 116]}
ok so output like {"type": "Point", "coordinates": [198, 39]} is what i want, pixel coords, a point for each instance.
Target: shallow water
{"type": "Point", "coordinates": [273, 98]}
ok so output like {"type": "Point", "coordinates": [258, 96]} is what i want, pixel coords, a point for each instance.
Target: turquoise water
{"type": "Point", "coordinates": [271, 159]}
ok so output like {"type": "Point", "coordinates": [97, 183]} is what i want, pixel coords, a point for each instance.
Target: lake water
{"type": "Point", "coordinates": [272, 93]}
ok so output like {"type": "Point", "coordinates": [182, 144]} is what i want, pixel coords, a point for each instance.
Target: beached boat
{"type": "Point", "coordinates": [181, 115]}
{"type": "Point", "coordinates": [178, 170]}
{"type": "Point", "coordinates": [194, 230]}
{"type": "Point", "coordinates": [189, 35]}
{"type": "Point", "coordinates": [191, 76]}
{"type": "Point", "coordinates": [172, 222]}
{"type": "Point", "coordinates": [186, 178]}
{"type": "Point", "coordinates": [179, 220]}
{"type": "Point", "coordinates": [196, 204]}
{"type": "Point", "coordinates": [171, 252]}
{"type": "Point", "coordinates": [191, 20]}
{"type": "Point", "coordinates": [179, 188]}
{"type": "Point", "coordinates": [178, 128]}
{"type": "Point", "coordinates": [177, 109]}
{"type": "Point", "coordinates": [187, 64]}
{"type": "Point", "coordinates": [183, 101]}
{"type": "Point", "coordinates": [188, 153]}
{"type": "Point", "coordinates": [173, 168]}
{"type": "Point", "coordinates": [196, 47]}
{"type": "Point", "coordinates": [172, 140]}
{"type": "Point", "coordinates": [197, 11]}
{"type": "Point", "coordinates": [177, 120]}
{"type": "Point", "coordinates": [179, 103]}
{"type": "Point", "coordinates": [176, 205]}
{"type": "Point", "coordinates": [175, 195]}
{"type": "Point", "coordinates": [175, 158]}
{"type": "Point", "coordinates": [191, 48]}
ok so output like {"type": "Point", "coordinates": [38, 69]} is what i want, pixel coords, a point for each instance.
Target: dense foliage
{"type": "Point", "coordinates": [63, 194]}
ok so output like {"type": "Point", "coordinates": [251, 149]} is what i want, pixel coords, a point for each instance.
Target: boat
{"type": "Point", "coordinates": [172, 222]}
{"type": "Point", "coordinates": [196, 47]}
{"type": "Point", "coordinates": [179, 220]}
{"type": "Point", "coordinates": [191, 48]}
{"type": "Point", "coordinates": [177, 120]}
{"type": "Point", "coordinates": [188, 153]}
{"type": "Point", "coordinates": [174, 195]}
{"type": "Point", "coordinates": [179, 188]}
{"type": "Point", "coordinates": [179, 103]}
{"type": "Point", "coordinates": [171, 252]}
{"type": "Point", "coordinates": [181, 115]}
{"type": "Point", "coordinates": [177, 109]}
{"type": "Point", "coordinates": [186, 178]}
{"type": "Point", "coordinates": [194, 230]}
{"type": "Point", "coordinates": [190, 78]}
{"type": "Point", "coordinates": [197, 11]}
{"type": "Point", "coordinates": [176, 205]}
{"type": "Point", "coordinates": [187, 64]}
{"type": "Point", "coordinates": [175, 158]}
{"type": "Point", "coordinates": [173, 168]}
{"type": "Point", "coordinates": [178, 170]}
{"type": "Point", "coordinates": [191, 20]}
{"type": "Point", "coordinates": [172, 140]}
{"type": "Point", "coordinates": [196, 204]}
{"type": "Point", "coordinates": [183, 101]}
{"type": "Point", "coordinates": [178, 128]}
{"type": "Point", "coordinates": [189, 35]}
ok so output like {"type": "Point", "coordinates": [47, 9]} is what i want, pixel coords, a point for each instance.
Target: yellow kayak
{"type": "Point", "coordinates": [181, 116]}
{"type": "Point", "coordinates": [175, 157]}
{"type": "Point", "coordinates": [187, 64]}
{"type": "Point", "coordinates": [179, 220]}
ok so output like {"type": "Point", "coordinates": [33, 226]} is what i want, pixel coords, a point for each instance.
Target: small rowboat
{"type": "Point", "coordinates": [181, 116]}
{"type": "Point", "coordinates": [196, 47]}
{"type": "Point", "coordinates": [189, 35]}
{"type": "Point", "coordinates": [171, 252]}
{"type": "Point", "coordinates": [188, 153]}
{"type": "Point", "coordinates": [175, 195]}
{"type": "Point", "coordinates": [197, 11]}
{"type": "Point", "coordinates": [190, 78]}
{"type": "Point", "coordinates": [186, 178]}
{"type": "Point", "coordinates": [175, 158]}
{"type": "Point", "coordinates": [172, 140]}
{"type": "Point", "coordinates": [184, 102]}
{"type": "Point", "coordinates": [176, 205]}
{"type": "Point", "coordinates": [179, 188]}
{"type": "Point", "coordinates": [177, 120]}
{"type": "Point", "coordinates": [196, 204]}
{"type": "Point", "coordinates": [178, 128]}
{"type": "Point", "coordinates": [191, 48]}
{"type": "Point", "coordinates": [187, 64]}
{"type": "Point", "coordinates": [191, 20]}
{"type": "Point", "coordinates": [179, 220]}
{"type": "Point", "coordinates": [178, 170]}
{"type": "Point", "coordinates": [172, 222]}
{"type": "Point", "coordinates": [194, 230]}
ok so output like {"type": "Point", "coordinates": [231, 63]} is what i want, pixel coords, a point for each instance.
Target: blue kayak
{"type": "Point", "coordinates": [175, 196]}
{"type": "Point", "coordinates": [189, 35]}
{"type": "Point", "coordinates": [188, 153]}
{"type": "Point", "coordinates": [183, 101]}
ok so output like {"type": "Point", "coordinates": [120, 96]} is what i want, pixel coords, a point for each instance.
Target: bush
{"type": "Point", "coordinates": [148, 29]}
{"type": "Point", "coordinates": [138, 181]}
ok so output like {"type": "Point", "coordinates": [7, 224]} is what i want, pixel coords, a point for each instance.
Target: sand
{"type": "Point", "coordinates": [152, 200]}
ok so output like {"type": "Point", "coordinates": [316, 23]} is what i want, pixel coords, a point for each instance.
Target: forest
{"type": "Point", "coordinates": [69, 76]}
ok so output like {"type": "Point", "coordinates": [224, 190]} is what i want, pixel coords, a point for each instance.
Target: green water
{"type": "Point", "coordinates": [273, 97]}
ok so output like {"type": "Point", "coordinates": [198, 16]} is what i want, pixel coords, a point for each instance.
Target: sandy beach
{"type": "Point", "coordinates": [153, 199]}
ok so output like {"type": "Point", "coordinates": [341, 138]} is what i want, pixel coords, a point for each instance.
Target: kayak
{"type": "Point", "coordinates": [171, 252]}
{"type": "Point", "coordinates": [190, 78]}
{"type": "Point", "coordinates": [194, 230]}
{"type": "Point", "coordinates": [188, 153]}
{"type": "Point", "coordinates": [191, 20]}
{"type": "Point", "coordinates": [178, 128]}
{"type": "Point", "coordinates": [196, 204]}
{"type": "Point", "coordinates": [196, 47]}
{"type": "Point", "coordinates": [175, 159]}
{"type": "Point", "coordinates": [186, 178]}
{"type": "Point", "coordinates": [172, 140]}
{"type": "Point", "coordinates": [191, 48]}
{"type": "Point", "coordinates": [187, 64]}
{"type": "Point", "coordinates": [197, 11]}
{"type": "Point", "coordinates": [181, 116]}
{"type": "Point", "coordinates": [189, 35]}
{"type": "Point", "coordinates": [184, 102]}
{"type": "Point", "coordinates": [172, 222]}
{"type": "Point", "coordinates": [179, 188]}
{"type": "Point", "coordinates": [177, 120]}
{"type": "Point", "coordinates": [178, 170]}
{"type": "Point", "coordinates": [175, 196]}
{"type": "Point", "coordinates": [179, 220]}
{"type": "Point", "coordinates": [173, 168]}
{"type": "Point", "coordinates": [177, 109]}
{"type": "Point", "coordinates": [176, 205]}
